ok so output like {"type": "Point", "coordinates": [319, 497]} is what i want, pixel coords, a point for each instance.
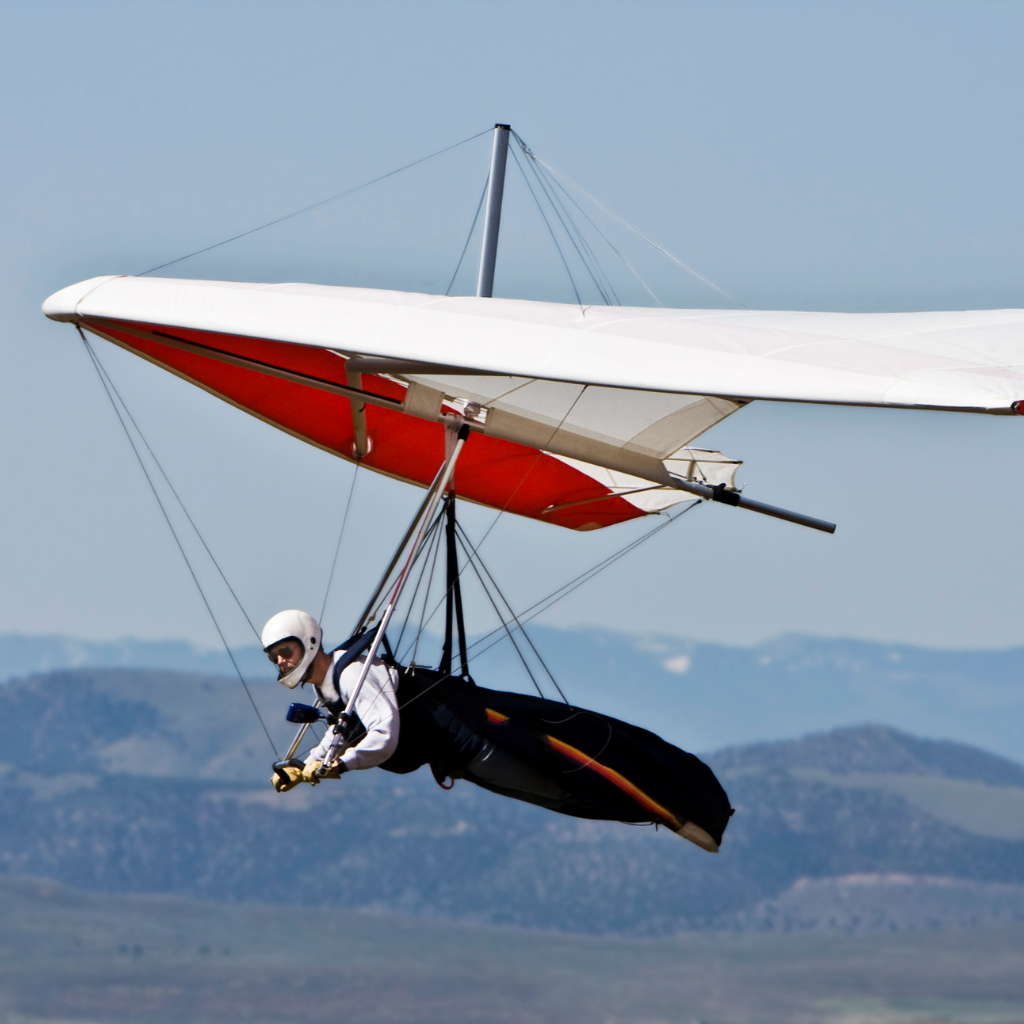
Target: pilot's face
{"type": "Point", "coordinates": [286, 655]}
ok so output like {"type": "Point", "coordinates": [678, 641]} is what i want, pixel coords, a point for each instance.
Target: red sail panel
{"type": "Point", "coordinates": [490, 471]}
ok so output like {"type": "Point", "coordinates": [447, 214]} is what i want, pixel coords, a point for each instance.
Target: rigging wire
{"type": "Point", "coordinates": [538, 606]}
{"type": "Point", "coordinates": [314, 206]}
{"type": "Point", "coordinates": [533, 465]}
{"type": "Point", "coordinates": [542, 605]}
{"type": "Point", "coordinates": [385, 591]}
{"type": "Point", "coordinates": [434, 556]}
{"type": "Point", "coordinates": [425, 619]}
{"type": "Point", "coordinates": [519, 626]}
{"type": "Point", "coordinates": [429, 557]}
{"type": "Point", "coordinates": [577, 240]}
{"type": "Point", "coordinates": [102, 370]}
{"type": "Point", "coordinates": [581, 239]}
{"type": "Point", "coordinates": [636, 231]}
{"type": "Point", "coordinates": [547, 224]}
{"type": "Point", "coordinates": [522, 480]}
{"type": "Point", "coordinates": [568, 195]}
{"type": "Point", "coordinates": [428, 542]}
{"type": "Point", "coordinates": [341, 533]}
{"type": "Point", "coordinates": [469, 237]}
{"type": "Point", "coordinates": [508, 632]}
{"type": "Point", "coordinates": [593, 267]}
{"type": "Point", "coordinates": [174, 533]}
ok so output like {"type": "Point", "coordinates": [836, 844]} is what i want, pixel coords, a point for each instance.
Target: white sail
{"type": "Point", "coordinates": [608, 399]}
{"type": "Point", "coordinates": [965, 361]}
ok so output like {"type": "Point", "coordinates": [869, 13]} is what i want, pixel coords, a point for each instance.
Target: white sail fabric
{"type": "Point", "coordinates": [706, 467]}
{"type": "Point", "coordinates": [967, 361]}
{"type": "Point", "coordinates": [647, 423]}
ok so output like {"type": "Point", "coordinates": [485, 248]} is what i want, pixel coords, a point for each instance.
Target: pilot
{"type": "Point", "coordinates": [293, 640]}
{"type": "Point", "coordinates": [533, 750]}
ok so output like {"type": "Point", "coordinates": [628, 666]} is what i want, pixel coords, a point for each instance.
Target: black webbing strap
{"type": "Point", "coordinates": [453, 598]}
{"type": "Point", "coordinates": [354, 647]}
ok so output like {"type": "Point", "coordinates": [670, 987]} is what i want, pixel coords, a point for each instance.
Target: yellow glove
{"type": "Point", "coordinates": [287, 779]}
{"type": "Point", "coordinates": [309, 772]}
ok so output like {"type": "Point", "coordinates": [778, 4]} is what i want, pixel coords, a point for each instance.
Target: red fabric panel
{"type": "Point", "coordinates": [492, 472]}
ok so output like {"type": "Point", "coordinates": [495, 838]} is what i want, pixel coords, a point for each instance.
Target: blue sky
{"type": "Point", "coordinates": [854, 156]}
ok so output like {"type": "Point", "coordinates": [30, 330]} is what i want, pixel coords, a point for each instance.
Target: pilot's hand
{"type": "Point", "coordinates": [286, 778]}
{"type": "Point", "coordinates": [310, 772]}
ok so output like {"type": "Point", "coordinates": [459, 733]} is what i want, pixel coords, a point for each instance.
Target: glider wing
{"type": "Point", "coordinates": [582, 415]}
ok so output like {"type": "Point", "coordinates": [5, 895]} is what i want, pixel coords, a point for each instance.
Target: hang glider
{"type": "Point", "coordinates": [583, 417]}
{"type": "Point", "coordinates": [579, 416]}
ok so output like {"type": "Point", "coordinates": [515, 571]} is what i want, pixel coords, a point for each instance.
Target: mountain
{"type": "Point", "coordinates": [22, 655]}
{"type": "Point", "coordinates": [701, 696]}
{"type": "Point", "coordinates": [154, 781]}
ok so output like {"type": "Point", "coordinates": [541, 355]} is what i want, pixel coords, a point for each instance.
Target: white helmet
{"type": "Point", "coordinates": [294, 625]}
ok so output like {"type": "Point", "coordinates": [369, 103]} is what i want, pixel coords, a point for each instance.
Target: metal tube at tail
{"type": "Point", "coordinates": [492, 215]}
{"type": "Point", "coordinates": [726, 497]}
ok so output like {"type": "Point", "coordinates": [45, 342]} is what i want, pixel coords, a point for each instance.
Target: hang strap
{"type": "Point", "coordinates": [453, 598]}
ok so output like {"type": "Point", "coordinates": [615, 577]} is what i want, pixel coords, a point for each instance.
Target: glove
{"type": "Point", "coordinates": [287, 779]}
{"type": "Point", "coordinates": [309, 773]}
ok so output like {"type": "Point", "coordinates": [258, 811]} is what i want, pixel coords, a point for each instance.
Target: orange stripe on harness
{"type": "Point", "coordinates": [495, 717]}
{"type": "Point", "coordinates": [616, 779]}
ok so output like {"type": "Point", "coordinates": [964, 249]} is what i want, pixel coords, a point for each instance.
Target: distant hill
{"type": "Point", "coordinates": [155, 781]}
{"type": "Point", "coordinates": [875, 750]}
{"type": "Point", "coordinates": [884, 903]}
{"type": "Point", "coordinates": [702, 696]}
{"type": "Point", "coordinates": [22, 655]}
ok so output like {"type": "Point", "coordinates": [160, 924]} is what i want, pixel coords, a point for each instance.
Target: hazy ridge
{"type": "Point", "coordinates": [152, 781]}
{"type": "Point", "coordinates": [702, 696]}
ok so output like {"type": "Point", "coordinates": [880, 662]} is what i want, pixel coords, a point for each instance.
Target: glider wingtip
{"type": "Point", "coordinates": [62, 305]}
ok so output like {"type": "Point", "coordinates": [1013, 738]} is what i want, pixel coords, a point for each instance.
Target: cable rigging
{"type": "Point", "coordinates": [538, 607]}
{"type": "Point", "coordinates": [541, 606]}
{"type": "Point", "coordinates": [341, 534]}
{"type": "Point", "coordinates": [313, 206]}
{"type": "Point", "coordinates": [469, 235]}
{"type": "Point", "coordinates": [554, 237]}
{"type": "Point", "coordinates": [577, 240]}
{"type": "Point", "coordinates": [636, 231]}
{"type": "Point", "coordinates": [528, 153]}
{"type": "Point", "coordinates": [474, 560]}
{"type": "Point", "coordinates": [104, 376]}
{"type": "Point", "coordinates": [108, 389]}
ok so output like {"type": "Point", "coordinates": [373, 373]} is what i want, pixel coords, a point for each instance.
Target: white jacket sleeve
{"type": "Point", "coordinates": [319, 752]}
{"type": "Point", "coordinates": [377, 708]}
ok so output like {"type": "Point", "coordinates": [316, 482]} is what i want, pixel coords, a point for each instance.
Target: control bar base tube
{"type": "Point", "coordinates": [720, 494]}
